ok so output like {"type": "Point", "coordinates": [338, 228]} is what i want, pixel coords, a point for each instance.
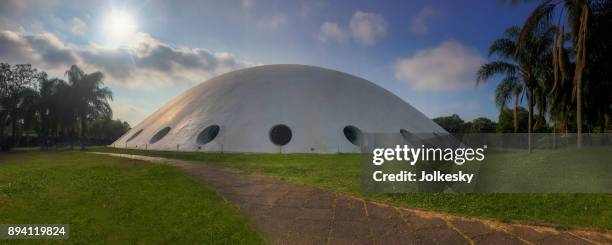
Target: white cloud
{"type": "Point", "coordinates": [419, 23]}
{"type": "Point", "coordinates": [367, 28]}
{"type": "Point", "coordinates": [450, 66]}
{"type": "Point", "coordinates": [364, 28]}
{"type": "Point", "coordinates": [44, 50]}
{"type": "Point", "coordinates": [154, 62]}
{"type": "Point", "coordinates": [273, 22]}
{"type": "Point", "coordinates": [78, 26]}
{"type": "Point", "coordinates": [331, 32]}
{"type": "Point", "coordinates": [148, 63]}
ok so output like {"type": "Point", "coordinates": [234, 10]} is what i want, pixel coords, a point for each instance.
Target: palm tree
{"type": "Point", "coordinates": [522, 70]}
{"type": "Point", "coordinates": [577, 14]}
{"type": "Point", "coordinates": [509, 87]}
{"type": "Point", "coordinates": [52, 93]}
{"type": "Point", "coordinates": [598, 77]}
{"type": "Point", "coordinates": [89, 98]}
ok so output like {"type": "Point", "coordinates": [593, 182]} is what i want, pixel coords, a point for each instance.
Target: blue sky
{"type": "Point", "coordinates": [426, 52]}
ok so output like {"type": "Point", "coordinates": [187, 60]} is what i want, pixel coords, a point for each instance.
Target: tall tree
{"type": "Point", "coordinates": [521, 70]}
{"type": "Point", "coordinates": [90, 98]}
{"type": "Point", "coordinates": [512, 84]}
{"type": "Point", "coordinates": [17, 85]}
{"type": "Point", "coordinates": [577, 14]}
{"type": "Point", "coordinates": [509, 87]}
{"type": "Point", "coordinates": [51, 107]}
{"type": "Point", "coordinates": [598, 75]}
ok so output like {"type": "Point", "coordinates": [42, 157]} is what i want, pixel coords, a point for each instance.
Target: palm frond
{"type": "Point", "coordinates": [74, 74]}
{"type": "Point", "coordinates": [488, 70]}
{"type": "Point", "coordinates": [503, 47]}
{"type": "Point", "coordinates": [542, 12]}
{"type": "Point", "coordinates": [505, 90]}
{"type": "Point", "coordinates": [512, 32]}
{"type": "Point", "coordinates": [581, 49]}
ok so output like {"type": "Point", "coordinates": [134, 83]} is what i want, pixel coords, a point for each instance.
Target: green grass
{"type": "Point", "coordinates": [341, 172]}
{"type": "Point", "coordinates": [115, 200]}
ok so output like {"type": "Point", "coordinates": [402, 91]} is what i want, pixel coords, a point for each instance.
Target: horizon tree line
{"type": "Point", "coordinates": [55, 110]}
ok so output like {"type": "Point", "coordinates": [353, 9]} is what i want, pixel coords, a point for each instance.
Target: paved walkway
{"type": "Point", "coordinates": [289, 213]}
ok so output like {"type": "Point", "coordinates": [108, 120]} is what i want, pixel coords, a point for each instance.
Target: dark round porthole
{"type": "Point", "coordinates": [208, 134]}
{"type": "Point", "coordinates": [352, 134]}
{"type": "Point", "coordinates": [410, 137]}
{"type": "Point", "coordinates": [159, 135]}
{"type": "Point", "coordinates": [134, 135]}
{"type": "Point", "coordinates": [280, 134]}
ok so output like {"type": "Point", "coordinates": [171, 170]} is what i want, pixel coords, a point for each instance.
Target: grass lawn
{"type": "Point", "coordinates": [115, 200]}
{"type": "Point", "coordinates": [341, 172]}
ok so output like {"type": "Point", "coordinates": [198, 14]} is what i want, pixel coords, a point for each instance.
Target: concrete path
{"type": "Point", "coordinates": [289, 213]}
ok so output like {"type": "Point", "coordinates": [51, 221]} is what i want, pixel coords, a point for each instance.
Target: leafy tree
{"type": "Point", "coordinates": [577, 13]}
{"type": "Point", "coordinates": [17, 92]}
{"type": "Point", "coordinates": [512, 84]}
{"type": "Point", "coordinates": [90, 98]}
{"type": "Point", "coordinates": [481, 125]}
{"type": "Point", "coordinates": [455, 125]}
{"type": "Point", "coordinates": [106, 130]}
{"type": "Point", "coordinates": [452, 124]}
{"type": "Point", "coordinates": [598, 74]}
{"type": "Point", "coordinates": [31, 102]}
{"type": "Point", "coordinates": [53, 110]}
{"type": "Point", "coordinates": [506, 118]}
{"type": "Point", "coordinates": [522, 69]}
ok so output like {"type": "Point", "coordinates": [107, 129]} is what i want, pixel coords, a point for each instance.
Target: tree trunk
{"type": "Point", "coordinates": [1, 134]}
{"type": "Point", "coordinates": [554, 134]}
{"type": "Point", "coordinates": [83, 131]}
{"type": "Point", "coordinates": [13, 141]}
{"type": "Point", "coordinates": [13, 127]}
{"type": "Point", "coordinates": [515, 114]}
{"type": "Point", "coordinates": [42, 138]}
{"type": "Point", "coordinates": [529, 119]}
{"type": "Point", "coordinates": [602, 126]}
{"type": "Point", "coordinates": [580, 64]}
{"type": "Point", "coordinates": [579, 113]}
{"type": "Point", "coordinates": [72, 134]}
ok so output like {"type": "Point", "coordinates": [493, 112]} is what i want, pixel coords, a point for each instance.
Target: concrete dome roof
{"type": "Point", "coordinates": [311, 108]}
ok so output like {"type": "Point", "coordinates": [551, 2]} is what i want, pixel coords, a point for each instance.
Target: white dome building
{"type": "Point", "coordinates": [277, 108]}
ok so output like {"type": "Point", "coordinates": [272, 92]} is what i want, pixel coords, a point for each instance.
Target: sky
{"type": "Point", "coordinates": [425, 52]}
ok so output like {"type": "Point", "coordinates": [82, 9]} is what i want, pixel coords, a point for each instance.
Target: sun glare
{"type": "Point", "coordinates": [119, 26]}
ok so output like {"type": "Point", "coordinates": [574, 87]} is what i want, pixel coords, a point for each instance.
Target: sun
{"type": "Point", "coordinates": [119, 27]}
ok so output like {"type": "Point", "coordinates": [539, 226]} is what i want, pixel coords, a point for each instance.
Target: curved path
{"type": "Point", "coordinates": [289, 213]}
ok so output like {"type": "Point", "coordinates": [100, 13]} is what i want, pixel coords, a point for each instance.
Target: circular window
{"type": "Point", "coordinates": [410, 137]}
{"type": "Point", "coordinates": [280, 134]}
{"type": "Point", "coordinates": [352, 134]}
{"type": "Point", "coordinates": [208, 134]}
{"type": "Point", "coordinates": [159, 135]}
{"type": "Point", "coordinates": [134, 136]}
